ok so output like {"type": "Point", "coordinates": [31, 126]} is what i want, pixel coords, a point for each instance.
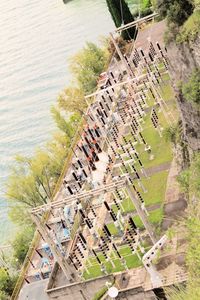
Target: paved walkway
{"type": "Point", "coordinates": [172, 191]}
{"type": "Point", "coordinates": [34, 291]}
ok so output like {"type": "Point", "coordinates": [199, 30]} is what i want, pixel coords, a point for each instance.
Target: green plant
{"type": "Point", "coordinates": [179, 11]}
{"type": "Point", "coordinates": [4, 296]}
{"type": "Point", "coordinates": [176, 11]}
{"type": "Point", "coordinates": [191, 89]}
{"type": "Point", "coordinates": [87, 65]}
{"type": "Point", "coordinates": [7, 283]}
{"type": "Point", "coordinates": [173, 133]}
{"type": "Point", "coordinates": [21, 244]}
{"type": "Point", "coordinates": [190, 28]}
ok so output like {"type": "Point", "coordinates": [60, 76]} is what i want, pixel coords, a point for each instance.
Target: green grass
{"type": "Point", "coordinates": [156, 187]}
{"type": "Point", "coordinates": [155, 217]}
{"type": "Point", "coordinates": [132, 261]}
{"type": "Point", "coordinates": [167, 92]}
{"type": "Point", "coordinates": [100, 293]}
{"type": "Point", "coordinates": [113, 230]}
{"type": "Point", "coordinates": [160, 148]}
{"type": "Point", "coordinates": [127, 206]}
{"type": "Point", "coordinates": [95, 271]}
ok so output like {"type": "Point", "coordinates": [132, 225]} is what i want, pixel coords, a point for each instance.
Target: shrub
{"type": "Point", "coordinates": [21, 244]}
{"type": "Point", "coordinates": [190, 29]}
{"type": "Point", "coordinates": [191, 89]}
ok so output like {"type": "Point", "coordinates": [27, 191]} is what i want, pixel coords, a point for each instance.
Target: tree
{"type": "Point", "coordinates": [87, 65]}
{"type": "Point", "coordinates": [66, 126]}
{"type": "Point", "coordinates": [121, 15]}
{"type": "Point", "coordinates": [176, 11]}
{"type": "Point", "coordinates": [72, 100]}
{"type": "Point", "coordinates": [179, 12]}
{"type": "Point", "coordinates": [32, 180]}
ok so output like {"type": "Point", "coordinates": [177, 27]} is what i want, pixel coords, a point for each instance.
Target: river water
{"type": "Point", "coordinates": [36, 39]}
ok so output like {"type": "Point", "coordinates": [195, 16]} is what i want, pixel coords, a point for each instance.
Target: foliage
{"type": "Point", "coordinates": [190, 28]}
{"type": "Point", "coordinates": [32, 180]}
{"type": "Point", "coordinates": [68, 127]}
{"type": "Point", "coordinates": [121, 43]}
{"type": "Point", "coordinates": [144, 9]}
{"type": "Point", "coordinates": [21, 244]}
{"type": "Point", "coordinates": [7, 283]}
{"type": "Point", "coordinates": [87, 65]}
{"type": "Point", "coordinates": [179, 11]}
{"type": "Point", "coordinates": [191, 90]}
{"type": "Point", "coordinates": [4, 296]}
{"type": "Point", "coordinates": [163, 7]}
{"type": "Point", "coordinates": [71, 99]}
{"type": "Point", "coordinates": [183, 180]}
{"type": "Point", "coordinates": [173, 133]}
{"type": "Point", "coordinates": [121, 14]}
{"type": "Point", "coordinates": [176, 11]}
{"type": "Point", "coordinates": [196, 3]}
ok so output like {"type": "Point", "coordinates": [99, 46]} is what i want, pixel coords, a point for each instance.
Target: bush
{"type": "Point", "coordinates": [21, 244]}
{"type": "Point", "coordinates": [191, 89]}
{"type": "Point", "coordinates": [179, 11]}
{"type": "Point", "coordinates": [173, 133]}
{"type": "Point", "coordinates": [7, 283]}
{"type": "Point", "coordinates": [4, 296]}
{"type": "Point", "coordinates": [190, 28]}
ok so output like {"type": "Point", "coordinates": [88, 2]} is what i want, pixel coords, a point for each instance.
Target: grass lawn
{"type": "Point", "coordinates": [156, 186]}
{"type": "Point", "coordinates": [155, 217]}
{"type": "Point", "coordinates": [160, 148]}
{"type": "Point", "coordinates": [132, 261]}
{"type": "Point", "coordinates": [127, 206]}
{"type": "Point", "coordinates": [113, 230]}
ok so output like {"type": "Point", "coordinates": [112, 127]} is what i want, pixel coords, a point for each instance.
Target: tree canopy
{"type": "Point", "coordinates": [176, 11]}
{"type": "Point", "coordinates": [86, 66]}
{"type": "Point", "coordinates": [32, 180]}
{"type": "Point", "coordinates": [71, 99]}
